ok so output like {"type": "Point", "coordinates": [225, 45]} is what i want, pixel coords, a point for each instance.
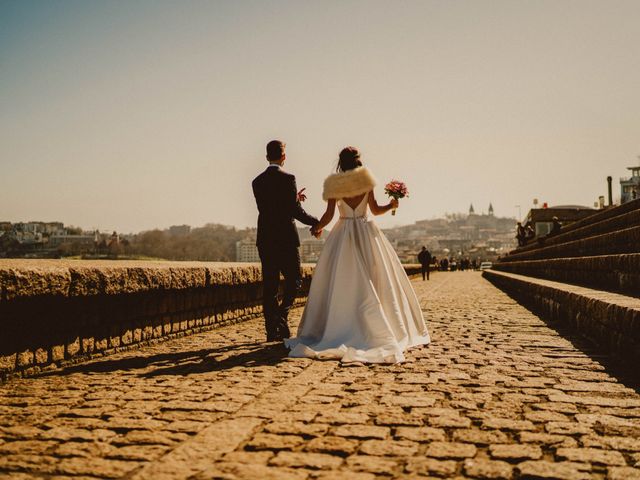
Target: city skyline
{"type": "Point", "coordinates": [131, 117]}
{"type": "Point", "coordinates": [103, 229]}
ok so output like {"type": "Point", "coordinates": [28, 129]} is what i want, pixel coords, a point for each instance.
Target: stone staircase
{"type": "Point", "coordinates": [587, 276]}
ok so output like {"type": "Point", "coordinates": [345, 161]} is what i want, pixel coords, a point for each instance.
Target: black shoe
{"type": "Point", "coordinates": [283, 330]}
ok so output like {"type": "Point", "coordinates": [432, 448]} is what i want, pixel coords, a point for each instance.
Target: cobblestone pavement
{"type": "Point", "coordinates": [497, 395]}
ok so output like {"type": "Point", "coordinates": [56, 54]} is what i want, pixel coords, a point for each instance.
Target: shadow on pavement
{"type": "Point", "coordinates": [186, 362]}
{"type": "Point", "coordinates": [626, 374]}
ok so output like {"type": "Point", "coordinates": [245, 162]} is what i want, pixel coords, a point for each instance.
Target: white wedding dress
{"type": "Point", "coordinates": [361, 305]}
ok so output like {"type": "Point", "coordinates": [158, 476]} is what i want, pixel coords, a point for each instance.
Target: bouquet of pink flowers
{"type": "Point", "coordinates": [396, 189]}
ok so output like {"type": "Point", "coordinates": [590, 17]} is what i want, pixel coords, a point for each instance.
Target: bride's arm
{"type": "Point", "coordinates": [380, 209]}
{"type": "Point", "coordinates": [327, 216]}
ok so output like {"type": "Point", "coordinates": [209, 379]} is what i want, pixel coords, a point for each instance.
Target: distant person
{"type": "Point", "coordinates": [521, 234]}
{"type": "Point", "coordinates": [555, 227]}
{"type": "Point", "coordinates": [424, 257]}
{"type": "Point", "coordinates": [529, 233]}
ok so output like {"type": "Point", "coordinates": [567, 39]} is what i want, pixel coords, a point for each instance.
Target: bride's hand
{"type": "Point", "coordinates": [394, 203]}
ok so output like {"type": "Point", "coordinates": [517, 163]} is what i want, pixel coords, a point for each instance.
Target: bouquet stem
{"type": "Point", "coordinates": [393, 211]}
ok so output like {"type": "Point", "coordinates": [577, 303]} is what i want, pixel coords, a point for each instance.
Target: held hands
{"type": "Point", "coordinates": [394, 203]}
{"type": "Point", "coordinates": [315, 232]}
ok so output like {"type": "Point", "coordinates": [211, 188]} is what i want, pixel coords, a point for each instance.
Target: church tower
{"type": "Point", "coordinates": [471, 210]}
{"type": "Point", "coordinates": [490, 209]}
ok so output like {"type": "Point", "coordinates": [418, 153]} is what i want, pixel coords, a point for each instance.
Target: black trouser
{"type": "Point", "coordinates": [425, 270]}
{"type": "Point", "coordinates": [274, 261]}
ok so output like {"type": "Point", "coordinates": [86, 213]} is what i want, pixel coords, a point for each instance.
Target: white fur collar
{"type": "Point", "coordinates": [348, 184]}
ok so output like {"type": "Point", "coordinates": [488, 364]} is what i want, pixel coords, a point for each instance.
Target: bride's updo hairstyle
{"type": "Point", "coordinates": [349, 159]}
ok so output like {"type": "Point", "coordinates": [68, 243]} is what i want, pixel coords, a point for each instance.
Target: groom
{"type": "Point", "coordinates": [278, 205]}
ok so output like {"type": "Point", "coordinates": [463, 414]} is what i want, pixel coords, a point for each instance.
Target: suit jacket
{"type": "Point", "coordinates": [276, 196]}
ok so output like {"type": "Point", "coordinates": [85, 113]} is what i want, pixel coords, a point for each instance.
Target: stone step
{"type": "Point", "coordinates": [622, 241]}
{"type": "Point", "coordinates": [605, 214]}
{"type": "Point", "coordinates": [608, 319]}
{"type": "Point", "coordinates": [619, 273]}
{"type": "Point", "coordinates": [573, 232]}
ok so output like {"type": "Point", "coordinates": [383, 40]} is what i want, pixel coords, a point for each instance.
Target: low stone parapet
{"type": "Point", "coordinates": [608, 319]}
{"type": "Point", "coordinates": [58, 311]}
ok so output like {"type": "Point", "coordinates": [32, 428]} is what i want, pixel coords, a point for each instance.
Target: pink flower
{"type": "Point", "coordinates": [396, 189]}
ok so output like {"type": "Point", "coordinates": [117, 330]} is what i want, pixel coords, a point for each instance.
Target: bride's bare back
{"type": "Point", "coordinates": [354, 202]}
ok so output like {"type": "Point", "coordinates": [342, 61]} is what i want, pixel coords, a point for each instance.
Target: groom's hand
{"type": "Point", "coordinates": [316, 233]}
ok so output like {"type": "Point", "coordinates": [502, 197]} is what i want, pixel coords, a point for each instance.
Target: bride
{"type": "Point", "coordinates": [361, 305]}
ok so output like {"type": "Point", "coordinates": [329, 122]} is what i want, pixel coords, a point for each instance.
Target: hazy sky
{"type": "Point", "coordinates": [134, 115]}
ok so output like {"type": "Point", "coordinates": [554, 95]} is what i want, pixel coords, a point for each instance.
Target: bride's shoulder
{"type": "Point", "coordinates": [348, 184]}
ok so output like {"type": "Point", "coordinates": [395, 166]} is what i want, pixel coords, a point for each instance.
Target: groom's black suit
{"type": "Point", "coordinates": [278, 241]}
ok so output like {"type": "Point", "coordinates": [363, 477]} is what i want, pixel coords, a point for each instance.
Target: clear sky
{"type": "Point", "coordinates": [135, 115]}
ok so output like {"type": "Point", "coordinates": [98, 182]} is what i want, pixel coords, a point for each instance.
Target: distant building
{"type": "Point", "coordinates": [469, 235]}
{"type": "Point", "coordinates": [84, 240]}
{"type": "Point", "coordinates": [541, 219]}
{"type": "Point", "coordinates": [247, 251]}
{"type": "Point", "coordinates": [630, 187]}
{"type": "Point", "coordinates": [53, 228]}
{"type": "Point", "coordinates": [310, 249]}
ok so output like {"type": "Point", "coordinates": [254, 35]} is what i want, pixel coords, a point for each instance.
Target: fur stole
{"type": "Point", "coordinates": [348, 184]}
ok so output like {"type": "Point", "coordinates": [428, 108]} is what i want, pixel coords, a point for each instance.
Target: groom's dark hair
{"type": "Point", "coordinates": [275, 150]}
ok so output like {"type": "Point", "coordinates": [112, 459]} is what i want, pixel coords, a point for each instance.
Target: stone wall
{"type": "Point", "coordinates": [618, 273]}
{"type": "Point", "coordinates": [54, 311]}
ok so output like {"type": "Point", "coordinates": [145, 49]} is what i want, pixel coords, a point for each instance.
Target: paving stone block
{"type": "Point", "coordinates": [315, 461]}
{"type": "Point", "coordinates": [372, 464]}
{"type": "Point", "coordinates": [24, 359]}
{"type": "Point", "coordinates": [623, 473]}
{"type": "Point", "coordinates": [8, 362]}
{"type": "Point", "coordinates": [431, 466]}
{"type": "Point", "coordinates": [402, 448]}
{"type": "Point", "coordinates": [452, 450]}
{"type": "Point", "coordinates": [481, 468]}
{"type": "Point", "coordinates": [542, 469]}
{"type": "Point", "coordinates": [480, 437]}
{"type": "Point", "coordinates": [334, 445]}
{"type": "Point", "coordinates": [270, 441]}
{"type": "Point", "coordinates": [591, 455]}
{"type": "Point", "coordinates": [515, 452]}
{"type": "Point", "coordinates": [420, 434]}
{"type": "Point", "coordinates": [361, 431]}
